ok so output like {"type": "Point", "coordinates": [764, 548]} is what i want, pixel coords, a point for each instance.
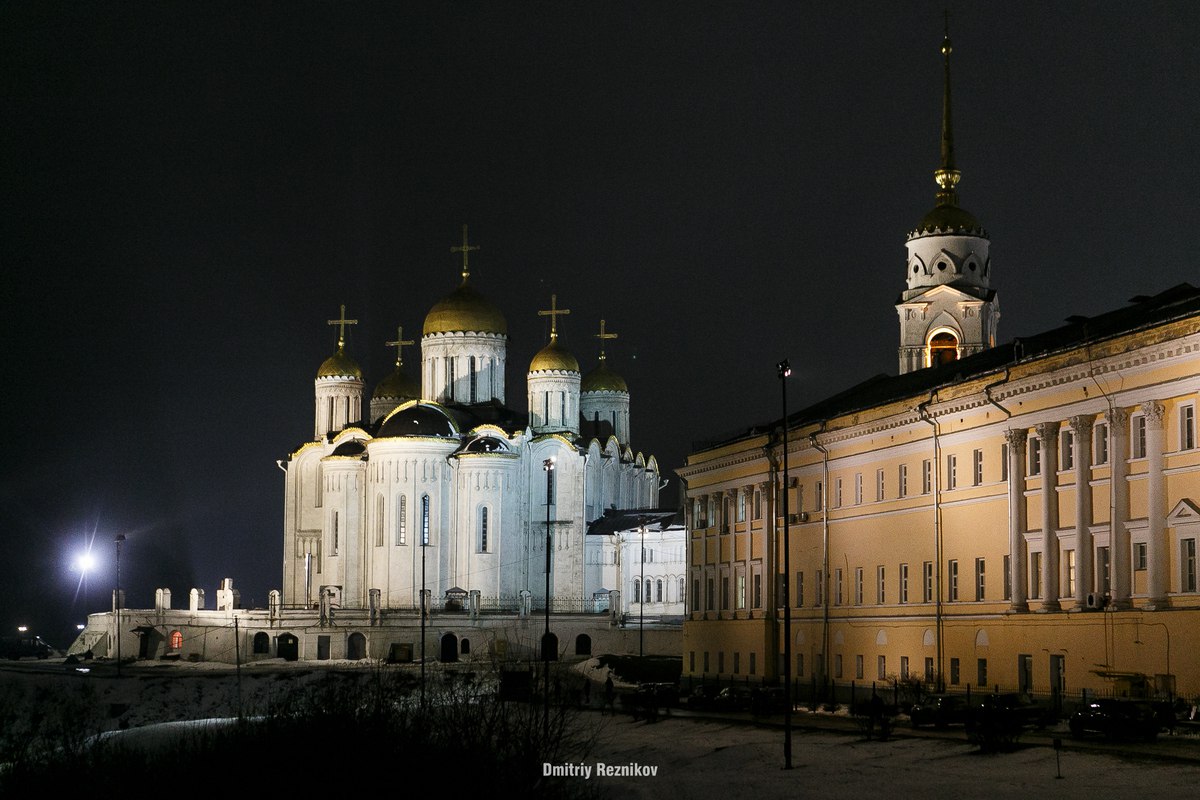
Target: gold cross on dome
{"type": "Point", "coordinates": [602, 335]}
{"type": "Point", "coordinates": [553, 314]}
{"type": "Point", "coordinates": [465, 249]}
{"type": "Point", "coordinates": [342, 322]}
{"type": "Point", "coordinates": [399, 345]}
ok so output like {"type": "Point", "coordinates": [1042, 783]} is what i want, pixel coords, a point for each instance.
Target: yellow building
{"type": "Point", "coordinates": [1022, 516]}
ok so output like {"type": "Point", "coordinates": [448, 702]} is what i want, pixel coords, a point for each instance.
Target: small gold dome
{"type": "Point", "coordinates": [602, 379]}
{"type": "Point", "coordinates": [465, 310]}
{"type": "Point", "coordinates": [398, 385]}
{"type": "Point", "coordinates": [339, 365]}
{"type": "Point", "coordinates": [949, 218]}
{"type": "Point", "coordinates": [554, 357]}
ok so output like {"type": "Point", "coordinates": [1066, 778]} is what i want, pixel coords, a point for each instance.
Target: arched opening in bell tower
{"type": "Point", "coordinates": [942, 348]}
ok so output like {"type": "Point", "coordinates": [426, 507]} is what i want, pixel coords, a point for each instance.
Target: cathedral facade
{"type": "Point", "coordinates": [1021, 517]}
{"type": "Point", "coordinates": [441, 487]}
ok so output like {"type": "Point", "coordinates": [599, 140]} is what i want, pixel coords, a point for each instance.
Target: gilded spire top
{"type": "Point", "coordinates": [399, 344]}
{"type": "Point", "coordinates": [465, 249]}
{"type": "Point", "coordinates": [342, 322]}
{"type": "Point", "coordinates": [554, 313]}
{"type": "Point", "coordinates": [947, 176]}
{"type": "Point", "coordinates": [602, 335]}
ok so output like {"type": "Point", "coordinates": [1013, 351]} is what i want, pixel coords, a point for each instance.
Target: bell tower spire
{"type": "Point", "coordinates": [947, 176]}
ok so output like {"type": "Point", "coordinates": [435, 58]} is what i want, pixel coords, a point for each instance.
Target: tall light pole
{"type": "Point", "coordinates": [118, 541]}
{"type": "Point", "coordinates": [424, 544]}
{"type": "Point", "coordinates": [785, 370]}
{"type": "Point", "coordinates": [645, 591]}
{"type": "Point", "coordinates": [548, 466]}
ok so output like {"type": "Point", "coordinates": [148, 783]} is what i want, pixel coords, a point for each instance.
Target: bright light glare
{"type": "Point", "coordinates": [85, 562]}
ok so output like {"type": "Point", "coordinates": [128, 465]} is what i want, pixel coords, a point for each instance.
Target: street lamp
{"type": "Point", "coordinates": [119, 540]}
{"type": "Point", "coordinates": [1166, 630]}
{"type": "Point", "coordinates": [645, 591]}
{"type": "Point", "coordinates": [548, 466]}
{"type": "Point", "coordinates": [785, 371]}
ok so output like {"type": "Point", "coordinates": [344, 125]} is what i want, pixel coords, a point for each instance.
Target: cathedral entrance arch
{"type": "Point", "coordinates": [583, 645]}
{"type": "Point", "coordinates": [356, 647]}
{"type": "Point", "coordinates": [287, 647]}
{"type": "Point", "coordinates": [449, 648]}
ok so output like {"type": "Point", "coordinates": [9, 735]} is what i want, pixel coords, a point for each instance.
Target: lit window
{"type": "Point", "coordinates": [951, 471]}
{"type": "Point", "coordinates": [943, 347]}
{"type": "Point", "coordinates": [977, 467]}
{"type": "Point", "coordinates": [176, 640]}
{"type": "Point", "coordinates": [1101, 443]}
{"type": "Point", "coordinates": [1139, 436]}
{"type": "Point", "coordinates": [1187, 427]}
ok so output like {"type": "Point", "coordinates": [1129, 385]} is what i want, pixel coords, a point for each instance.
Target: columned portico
{"type": "Point", "coordinates": [1048, 432]}
{"type": "Point", "coordinates": [1016, 439]}
{"type": "Point", "coordinates": [1081, 426]}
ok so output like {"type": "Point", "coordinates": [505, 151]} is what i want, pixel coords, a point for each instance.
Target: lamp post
{"type": "Point", "coordinates": [1167, 631]}
{"type": "Point", "coordinates": [645, 590]}
{"type": "Point", "coordinates": [785, 370]}
{"type": "Point", "coordinates": [548, 466]}
{"type": "Point", "coordinates": [118, 541]}
{"type": "Point", "coordinates": [424, 544]}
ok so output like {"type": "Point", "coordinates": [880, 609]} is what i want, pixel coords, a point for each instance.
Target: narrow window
{"type": "Point", "coordinates": [928, 669]}
{"type": "Point", "coordinates": [820, 587]}
{"type": "Point", "coordinates": [858, 667]}
{"type": "Point", "coordinates": [926, 476]}
{"type": "Point", "coordinates": [336, 533]}
{"type": "Point", "coordinates": [1068, 450]}
{"type": "Point", "coordinates": [1103, 570]}
{"type": "Point", "coordinates": [1139, 436]}
{"type": "Point", "coordinates": [1187, 565]}
{"type": "Point", "coordinates": [402, 521]}
{"type": "Point", "coordinates": [379, 521]}
{"type": "Point", "coordinates": [927, 572]}
{"type": "Point", "coordinates": [1070, 573]}
{"type": "Point", "coordinates": [904, 583]}
{"type": "Point", "coordinates": [1007, 577]}
{"type": "Point", "coordinates": [820, 496]}
{"type": "Point", "coordinates": [951, 472]}
{"type": "Point", "coordinates": [881, 672]}
{"type": "Point", "coordinates": [979, 578]}
{"type": "Point", "coordinates": [858, 488]}
{"type": "Point", "coordinates": [902, 480]}
{"type": "Point", "coordinates": [879, 585]}
{"type": "Point", "coordinates": [424, 520]}
{"type": "Point", "coordinates": [1035, 456]}
{"type": "Point", "coordinates": [741, 591]}
{"type": "Point", "coordinates": [799, 588]}
{"type": "Point", "coordinates": [977, 467]}
{"type": "Point", "coordinates": [1004, 462]}
{"type": "Point", "coordinates": [904, 668]}
{"type": "Point", "coordinates": [981, 676]}
{"type": "Point", "coordinates": [954, 672]}
{"type": "Point", "coordinates": [1187, 427]}
{"type": "Point", "coordinates": [1101, 444]}
{"type": "Point", "coordinates": [757, 599]}
{"type": "Point", "coordinates": [1035, 576]}
{"type": "Point", "coordinates": [837, 493]}
{"type": "Point", "coordinates": [483, 530]}
{"type": "Point", "coordinates": [1139, 556]}
{"type": "Point", "coordinates": [858, 586]}
{"type": "Point", "coordinates": [741, 507]}
{"type": "Point", "coordinates": [953, 570]}
{"type": "Point", "coordinates": [878, 485]}
{"type": "Point", "coordinates": [725, 592]}
{"type": "Point", "coordinates": [474, 383]}
{"type": "Point", "coordinates": [837, 665]}
{"type": "Point", "coordinates": [837, 586]}
{"type": "Point", "coordinates": [658, 591]}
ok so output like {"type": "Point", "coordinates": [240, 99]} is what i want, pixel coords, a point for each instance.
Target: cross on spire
{"type": "Point", "coordinates": [465, 249]}
{"type": "Point", "coordinates": [399, 344]}
{"type": "Point", "coordinates": [602, 336]}
{"type": "Point", "coordinates": [342, 322]}
{"type": "Point", "coordinates": [554, 313]}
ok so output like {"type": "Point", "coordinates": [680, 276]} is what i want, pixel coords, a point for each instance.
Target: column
{"type": "Point", "coordinates": [1156, 507]}
{"type": "Point", "coordinates": [1118, 456]}
{"type": "Point", "coordinates": [1016, 438]}
{"type": "Point", "coordinates": [1048, 431]}
{"type": "Point", "coordinates": [1081, 426]}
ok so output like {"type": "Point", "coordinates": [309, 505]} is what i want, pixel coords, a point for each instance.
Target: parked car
{"type": "Point", "coordinates": [939, 710]}
{"type": "Point", "coordinates": [18, 647]}
{"type": "Point", "coordinates": [702, 697]}
{"type": "Point", "coordinates": [1019, 709]}
{"type": "Point", "coordinates": [734, 698]}
{"type": "Point", "coordinates": [1117, 719]}
{"type": "Point", "coordinates": [769, 700]}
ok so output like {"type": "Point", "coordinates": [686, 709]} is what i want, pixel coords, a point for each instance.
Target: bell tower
{"type": "Point", "coordinates": [948, 309]}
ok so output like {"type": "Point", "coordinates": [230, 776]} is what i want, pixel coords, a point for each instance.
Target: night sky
{"type": "Point", "coordinates": [190, 191]}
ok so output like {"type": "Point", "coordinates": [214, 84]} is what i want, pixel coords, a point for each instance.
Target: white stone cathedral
{"type": "Point", "coordinates": [443, 487]}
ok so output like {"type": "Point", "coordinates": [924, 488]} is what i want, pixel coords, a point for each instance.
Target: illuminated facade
{"type": "Point", "coordinates": [1023, 516]}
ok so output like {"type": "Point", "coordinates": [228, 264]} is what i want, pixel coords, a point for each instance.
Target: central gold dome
{"type": "Point", "coordinates": [465, 311]}
{"type": "Point", "coordinates": [554, 357]}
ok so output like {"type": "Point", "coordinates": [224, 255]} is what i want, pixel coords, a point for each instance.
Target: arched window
{"type": "Point", "coordinates": [647, 595]}
{"type": "Point", "coordinates": [379, 521]}
{"type": "Point", "coordinates": [637, 591]}
{"type": "Point", "coordinates": [658, 598]}
{"type": "Point", "coordinates": [262, 644]}
{"type": "Point", "coordinates": [943, 348]}
{"type": "Point", "coordinates": [335, 533]}
{"type": "Point", "coordinates": [424, 520]}
{"type": "Point", "coordinates": [176, 640]}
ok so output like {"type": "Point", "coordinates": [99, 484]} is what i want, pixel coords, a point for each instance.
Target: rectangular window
{"type": "Point", "coordinates": [981, 676]}
{"type": "Point", "coordinates": [837, 665]}
{"type": "Point", "coordinates": [1069, 568]}
{"type": "Point", "coordinates": [799, 588]}
{"type": "Point", "coordinates": [837, 493]}
{"type": "Point", "coordinates": [926, 476]}
{"type": "Point", "coordinates": [1004, 462]}
{"type": "Point", "coordinates": [953, 573]}
{"type": "Point", "coordinates": [1138, 438]}
{"type": "Point", "coordinates": [1103, 570]}
{"type": "Point", "coordinates": [878, 485]}
{"type": "Point", "coordinates": [858, 668]}
{"type": "Point", "coordinates": [1187, 565]}
{"type": "Point", "coordinates": [757, 590]}
{"type": "Point", "coordinates": [858, 586]}
{"type": "Point", "coordinates": [1035, 456]}
{"type": "Point", "coordinates": [706, 662]}
{"type": "Point", "coordinates": [954, 672]}
{"type": "Point", "coordinates": [691, 661]}
{"type": "Point", "coordinates": [757, 504]}
{"type": "Point", "coordinates": [737, 663]}
{"type": "Point", "coordinates": [1100, 445]}
{"type": "Point", "coordinates": [902, 480]}
{"type": "Point", "coordinates": [1035, 576]}
{"type": "Point", "coordinates": [858, 488]}
{"type": "Point", "coordinates": [741, 507]}
{"type": "Point", "coordinates": [837, 586]}
{"type": "Point", "coordinates": [904, 583]}
{"type": "Point", "coordinates": [483, 530]}
{"type": "Point", "coordinates": [1187, 427]}
{"type": "Point", "coordinates": [1007, 576]}
{"type": "Point", "coordinates": [979, 578]}
{"type": "Point", "coordinates": [1067, 456]}
{"type": "Point", "coordinates": [710, 596]}
{"type": "Point", "coordinates": [402, 522]}
{"type": "Point", "coordinates": [724, 592]}
{"type": "Point", "coordinates": [720, 662]}
{"type": "Point", "coordinates": [881, 668]}
{"type": "Point", "coordinates": [929, 669]}
{"type": "Point", "coordinates": [741, 591]}
{"type": "Point", "coordinates": [977, 467]}
{"type": "Point", "coordinates": [819, 499]}
{"type": "Point", "coordinates": [753, 665]}
{"type": "Point", "coordinates": [695, 596]}
{"type": "Point", "coordinates": [951, 472]}
{"type": "Point", "coordinates": [879, 585]}
{"type": "Point", "coordinates": [1139, 556]}
{"type": "Point", "coordinates": [927, 589]}
{"type": "Point", "coordinates": [903, 668]}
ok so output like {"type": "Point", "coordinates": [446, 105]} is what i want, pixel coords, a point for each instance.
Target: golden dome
{"type": "Point", "coordinates": [602, 379]}
{"type": "Point", "coordinates": [339, 365]}
{"type": "Point", "coordinates": [465, 310]}
{"type": "Point", "coordinates": [398, 385]}
{"type": "Point", "coordinates": [949, 218]}
{"type": "Point", "coordinates": [554, 357]}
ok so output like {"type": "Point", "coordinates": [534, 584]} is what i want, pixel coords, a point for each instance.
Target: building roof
{"type": "Point", "coordinates": [1177, 303]}
{"type": "Point", "coordinates": [617, 520]}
